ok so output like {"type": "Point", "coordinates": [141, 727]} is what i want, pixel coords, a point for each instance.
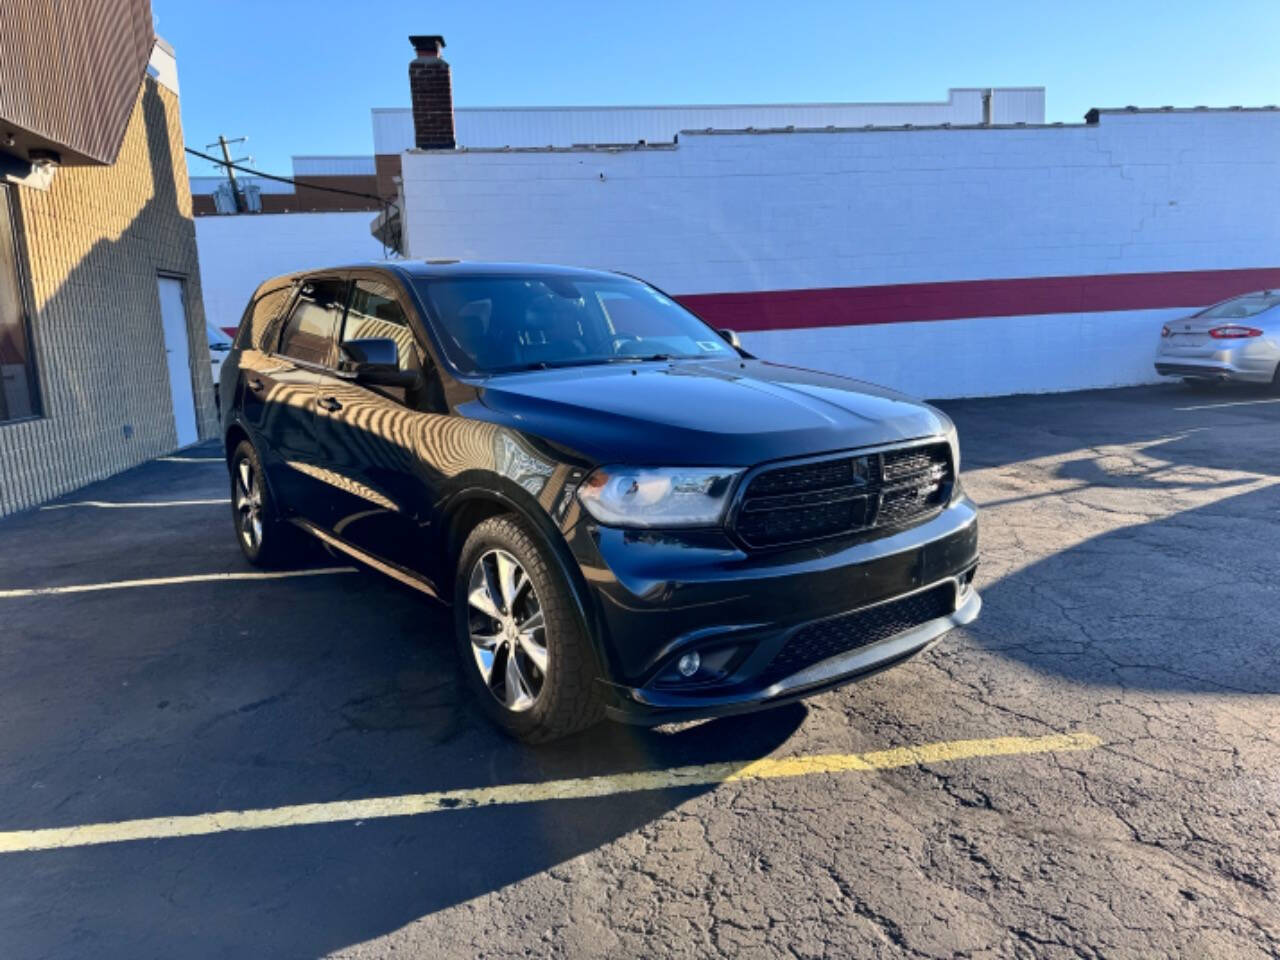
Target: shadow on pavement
{"type": "Point", "coordinates": [1003, 431]}
{"type": "Point", "coordinates": [193, 699]}
{"type": "Point", "coordinates": [1179, 594]}
{"type": "Point", "coordinates": [1186, 603]}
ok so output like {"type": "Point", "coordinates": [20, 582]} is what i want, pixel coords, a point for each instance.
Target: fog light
{"type": "Point", "coordinates": [688, 664]}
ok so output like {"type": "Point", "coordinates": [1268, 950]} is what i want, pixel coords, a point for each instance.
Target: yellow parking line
{"type": "Point", "coordinates": [769, 768]}
{"type": "Point", "coordinates": [129, 505]}
{"type": "Point", "coordinates": [168, 581]}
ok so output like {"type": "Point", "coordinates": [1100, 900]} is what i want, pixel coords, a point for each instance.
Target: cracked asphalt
{"type": "Point", "coordinates": [1130, 577]}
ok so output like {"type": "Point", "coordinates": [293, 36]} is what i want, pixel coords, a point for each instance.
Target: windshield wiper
{"type": "Point", "coordinates": [552, 364]}
{"type": "Point", "coordinates": [583, 362]}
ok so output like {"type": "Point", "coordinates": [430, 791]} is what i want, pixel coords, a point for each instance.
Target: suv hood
{"type": "Point", "coordinates": [713, 413]}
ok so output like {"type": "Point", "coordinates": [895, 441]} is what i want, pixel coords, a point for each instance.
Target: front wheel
{"type": "Point", "coordinates": [522, 648]}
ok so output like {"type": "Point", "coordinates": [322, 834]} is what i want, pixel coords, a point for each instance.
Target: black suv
{"type": "Point", "coordinates": [629, 513]}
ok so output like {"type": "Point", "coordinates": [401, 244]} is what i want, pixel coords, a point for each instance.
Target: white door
{"type": "Point", "coordinates": [173, 311]}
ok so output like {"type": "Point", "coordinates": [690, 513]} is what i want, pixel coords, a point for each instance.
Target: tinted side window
{"type": "Point", "coordinates": [308, 334]}
{"type": "Point", "coordinates": [258, 327]}
{"type": "Point", "coordinates": [376, 312]}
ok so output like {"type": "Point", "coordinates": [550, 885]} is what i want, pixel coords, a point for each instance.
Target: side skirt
{"type": "Point", "coordinates": [395, 571]}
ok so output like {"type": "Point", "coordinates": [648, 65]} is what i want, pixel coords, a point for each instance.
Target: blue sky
{"type": "Point", "coordinates": [300, 77]}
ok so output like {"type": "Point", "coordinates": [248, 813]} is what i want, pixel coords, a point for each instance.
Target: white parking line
{"type": "Point", "coordinates": [107, 505]}
{"type": "Point", "coordinates": [1232, 403]}
{"type": "Point", "coordinates": [168, 581]}
{"type": "Point", "coordinates": [191, 459]}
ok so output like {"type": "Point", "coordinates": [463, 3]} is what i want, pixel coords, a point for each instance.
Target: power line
{"type": "Point", "coordinates": [280, 179]}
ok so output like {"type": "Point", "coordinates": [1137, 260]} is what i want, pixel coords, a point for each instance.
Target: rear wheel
{"type": "Point", "coordinates": [522, 648]}
{"type": "Point", "coordinates": [264, 537]}
{"type": "Point", "coordinates": [1275, 380]}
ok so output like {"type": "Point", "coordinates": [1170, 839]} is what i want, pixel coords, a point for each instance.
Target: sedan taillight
{"type": "Point", "coordinates": [1234, 331]}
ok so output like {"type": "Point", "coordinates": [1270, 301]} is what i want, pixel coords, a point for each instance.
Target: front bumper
{"type": "Point", "coordinates": [658, 596]}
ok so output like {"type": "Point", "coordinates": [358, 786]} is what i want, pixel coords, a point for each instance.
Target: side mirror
{"type": "Point", "coordinates": [731, 338]}
{"type": "Point", "coordinates": [375, 361]}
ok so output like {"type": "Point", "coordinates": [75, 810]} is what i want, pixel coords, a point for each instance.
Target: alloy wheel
{"type": "Point", "coordinates": [508, 634]}
{"type": "Point", "coordinates": [248, 502]}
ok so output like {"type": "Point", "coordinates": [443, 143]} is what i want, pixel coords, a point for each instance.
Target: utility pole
{"type": "Point", "coordinates": [224, 143]}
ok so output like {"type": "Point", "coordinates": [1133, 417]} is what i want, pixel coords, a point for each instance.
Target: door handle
{"type": "Point", "coordinates": [329, 403]}
{"type": "Point", "coordinates": [255, 385]}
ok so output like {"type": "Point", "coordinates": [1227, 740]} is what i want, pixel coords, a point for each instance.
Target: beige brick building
{"type": "Point", "coordinates": [100, 275]}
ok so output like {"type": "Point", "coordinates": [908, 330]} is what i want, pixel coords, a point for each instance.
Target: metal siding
{"type": "Point", "coordinates": [1018, 105]}
{"type": "Point", "coordinates": [70, 72]}
{"type": "Point", "coordinates": [333, 166]}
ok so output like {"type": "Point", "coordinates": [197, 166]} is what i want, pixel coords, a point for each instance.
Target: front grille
{"type": "Point", "coordinates": [808, 501]}
{"type": "Point", "coordinates": [816, 642]}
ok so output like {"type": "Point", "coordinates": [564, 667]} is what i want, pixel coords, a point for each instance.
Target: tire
{"type": "Point", "coordinates": [549, 702]}
{"type": "Point", "coordinates": [270, 541]}
{"type": "Point", "coordinates": [1275, 381]}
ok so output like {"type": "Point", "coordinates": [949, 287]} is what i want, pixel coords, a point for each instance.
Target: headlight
{"type": "Point", "coordinates": [658, 496]}
{"type": "Point", "coordinates": [953, 441]}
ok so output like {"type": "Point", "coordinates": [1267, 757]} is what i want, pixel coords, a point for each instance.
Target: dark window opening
{"type": "Point", "coordinates": [19, 393]}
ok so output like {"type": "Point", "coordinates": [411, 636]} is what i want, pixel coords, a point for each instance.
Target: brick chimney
{"type": "Point", "coordinates": [431, 90]}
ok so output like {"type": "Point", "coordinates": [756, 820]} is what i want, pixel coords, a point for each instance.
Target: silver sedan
{"type": "Point", "coordinates": [1237, 339]}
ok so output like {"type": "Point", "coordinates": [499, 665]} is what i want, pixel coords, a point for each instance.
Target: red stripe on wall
{"type": "Point", "coordinates": [916, 302]}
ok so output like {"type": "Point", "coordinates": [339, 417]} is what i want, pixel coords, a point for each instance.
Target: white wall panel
{"type": "Point", "coordinates": [981, 356]}
{"type": "Point", "coordinates": [238, 253]}
{"type": "Point", "coordinates": [1135, 193]}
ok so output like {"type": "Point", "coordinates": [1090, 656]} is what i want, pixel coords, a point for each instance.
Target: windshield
{"type": "Point", "coordinates": [504, 323]}
{"type": "Point", "coordinates": [1241, 307]}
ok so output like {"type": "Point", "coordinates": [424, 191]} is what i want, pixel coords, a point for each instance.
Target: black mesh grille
{"type": "Point", "coordinates": [808, 501]}
{"type": "Point", "coordinates": [826, 638]}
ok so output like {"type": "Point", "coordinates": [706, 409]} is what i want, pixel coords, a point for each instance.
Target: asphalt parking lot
{"type": "Point", "coordinates": [1131, 579]}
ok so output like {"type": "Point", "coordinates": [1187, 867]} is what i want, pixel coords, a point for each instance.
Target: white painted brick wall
{"type": "Point", "coordinates": [238, 252]}
{"type": "Point", "coordinates": [741, 212]}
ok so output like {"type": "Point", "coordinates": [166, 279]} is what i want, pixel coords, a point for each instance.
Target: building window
{"type": "Point", "coordinates": [19, 398]}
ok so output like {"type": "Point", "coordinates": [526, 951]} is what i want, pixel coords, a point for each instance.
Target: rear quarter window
{"type": "Point", "coordinates": [259, 327]}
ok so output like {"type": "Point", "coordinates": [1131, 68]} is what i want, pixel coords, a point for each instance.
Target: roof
{"type": "Point", "coordinates": [458, 269]}
{"type": "Point", "coordinates": [566, 126]}
{"type": "Point", "coordinates": [69, 79]}
{"type": "Point", "coordinates": [1093, 115]}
